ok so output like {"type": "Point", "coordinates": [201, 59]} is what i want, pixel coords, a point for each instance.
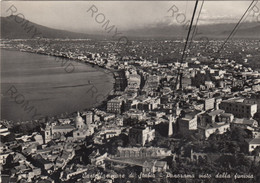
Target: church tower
{"type": "Point", "coordinates": [89, 118]}
{"type": "Point", "coordinates": [170, 131]}
{"type": "Point", "coordinates": [47, 134]}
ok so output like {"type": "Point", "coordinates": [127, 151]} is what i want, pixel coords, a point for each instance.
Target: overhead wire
{"type": "Point", "coordinates": [234, 29]}
{"type": "Point", "coordinates": [243, 21]}
{"type": "Point", "coordinates": [188, 35]}
{"type": "Point", "coordinates": [195, 27]}
{"type": "Point", "coordinates": [187, 39]}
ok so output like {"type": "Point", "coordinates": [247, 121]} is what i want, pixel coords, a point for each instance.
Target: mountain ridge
{"type": "Point", "coordinates": [11, 29]}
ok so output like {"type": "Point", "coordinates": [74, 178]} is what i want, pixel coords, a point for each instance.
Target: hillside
{"type": "Point", "coordinates": [10, 29]}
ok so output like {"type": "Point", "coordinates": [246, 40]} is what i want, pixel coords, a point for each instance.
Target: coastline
{"type": "Point", "coordinates": [97, 105]}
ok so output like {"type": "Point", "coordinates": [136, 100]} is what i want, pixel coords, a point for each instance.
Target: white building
{"type": "Point", "coordinates": [3, 131]}
{"type": "Point", "coordinates": [253, 144]}
{"type": "Point", "coordinates": [219, 128]}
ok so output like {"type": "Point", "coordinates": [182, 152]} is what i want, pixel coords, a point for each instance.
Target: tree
{"type": "Point", "coordinates": [238, 134]}
{"type": "Point", "coordinates": [8, 138]}
{"type": "Point", "coordinates": [256, 151]}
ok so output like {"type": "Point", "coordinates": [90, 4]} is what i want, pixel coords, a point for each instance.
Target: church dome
{"type": "Point", "coordinates": [79, 121]}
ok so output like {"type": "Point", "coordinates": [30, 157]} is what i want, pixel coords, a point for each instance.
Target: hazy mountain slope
{"type": "Point", "coordinates": [13, 30]}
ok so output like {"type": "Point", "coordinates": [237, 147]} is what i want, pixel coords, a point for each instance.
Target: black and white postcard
{"type": "Point", "coordinates": [130, 91]}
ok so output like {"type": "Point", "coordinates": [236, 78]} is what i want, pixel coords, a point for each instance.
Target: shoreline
{"type": "Point", "coordinates": [70, 114]}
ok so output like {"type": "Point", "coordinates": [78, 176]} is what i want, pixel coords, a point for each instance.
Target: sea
{"type": "Point", "coordinates": [34, 86]}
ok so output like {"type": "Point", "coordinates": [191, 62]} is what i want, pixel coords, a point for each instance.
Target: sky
{"type": "Point", "coordinates": [73, 16]}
